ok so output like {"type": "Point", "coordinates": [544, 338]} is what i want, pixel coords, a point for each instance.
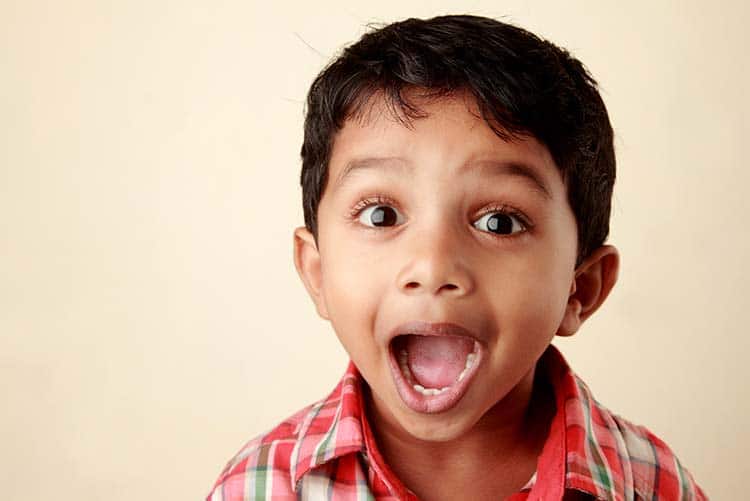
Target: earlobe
{"type": "Point", "coordinates": [308, 264]}
{"type": "Point", "coordinates": [593, 281]}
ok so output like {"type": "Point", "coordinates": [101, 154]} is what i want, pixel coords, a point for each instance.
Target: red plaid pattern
{"type": "Point", "coordinates": [327, 451]}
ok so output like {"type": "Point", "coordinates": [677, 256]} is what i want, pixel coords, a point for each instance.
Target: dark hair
{"type": "Point", "coordinates": [522, 84]}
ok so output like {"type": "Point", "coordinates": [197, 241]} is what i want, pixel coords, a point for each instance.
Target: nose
{"type": "Point", "coordinates": [435, 264]}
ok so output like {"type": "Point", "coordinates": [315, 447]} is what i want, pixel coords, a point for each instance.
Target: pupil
{"type": "Point", "coordinates": [500, 223]}
{"type": "Point", "coordinates": [383, 216]}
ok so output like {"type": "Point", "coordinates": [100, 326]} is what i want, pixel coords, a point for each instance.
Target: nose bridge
{"type": "Point", "coordinates": [436, 262]}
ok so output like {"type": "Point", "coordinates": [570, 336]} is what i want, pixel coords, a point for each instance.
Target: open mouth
{"type": "Point", "coordinates": [433, 372]}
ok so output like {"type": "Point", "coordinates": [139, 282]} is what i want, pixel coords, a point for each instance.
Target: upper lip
{"type": "Point", "coordinates": [423, 328]}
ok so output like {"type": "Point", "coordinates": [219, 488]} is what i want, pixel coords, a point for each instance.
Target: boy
{"type": "Point", "coordinates": [457, 177]}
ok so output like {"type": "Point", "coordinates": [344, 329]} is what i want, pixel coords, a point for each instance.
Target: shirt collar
{"type": "Point", "coordinates": [331, 428]}
{"type": "Point", "coordinates": [583, 450]}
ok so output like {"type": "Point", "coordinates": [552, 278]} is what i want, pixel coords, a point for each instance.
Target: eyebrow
{"type": "Point", "coordinates": [514, 168]}
{"type": "Point", "coordinates": [359, 164]}
{"type": "Point", "coordinates": [493, 167]}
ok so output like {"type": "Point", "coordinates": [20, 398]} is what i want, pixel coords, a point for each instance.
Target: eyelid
{"type": "Point", "coordinates": [370, 201]}
{"type": "Point", "coordinates": [508, 210]}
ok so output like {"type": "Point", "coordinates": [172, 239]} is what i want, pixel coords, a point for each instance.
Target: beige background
{"type": "Point", "coordinates": [151, 320]}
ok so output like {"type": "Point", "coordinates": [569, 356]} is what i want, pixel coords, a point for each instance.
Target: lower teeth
{"type": "Point", "coordinates": [403, 356]}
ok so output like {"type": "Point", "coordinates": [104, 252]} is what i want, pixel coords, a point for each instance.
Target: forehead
{"type": "Point", "coordinates": [379, 140]}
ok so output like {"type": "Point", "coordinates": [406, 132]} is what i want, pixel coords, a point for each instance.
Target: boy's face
{"type": "Point", "coordinates": [441, 223]}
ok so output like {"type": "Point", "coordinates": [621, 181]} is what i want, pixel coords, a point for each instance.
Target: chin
{"type": "Point", "coordinates": [437, 427]}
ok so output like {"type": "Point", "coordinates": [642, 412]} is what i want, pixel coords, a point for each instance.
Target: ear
{"type": "Point", "coordinates": [307, 262]}
{"type": "Point", "coordinates": [593, 280]}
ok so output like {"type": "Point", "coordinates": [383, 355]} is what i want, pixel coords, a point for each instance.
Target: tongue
{"type": "Point", "coordinates": [436, 361]}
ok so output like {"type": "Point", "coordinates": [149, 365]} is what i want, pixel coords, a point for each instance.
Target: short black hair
{"type": "Point", "coordinates": [524, 85]}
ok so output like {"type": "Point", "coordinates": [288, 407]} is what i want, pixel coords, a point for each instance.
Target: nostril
{"type": "Point", "coordinates": [415, 285]}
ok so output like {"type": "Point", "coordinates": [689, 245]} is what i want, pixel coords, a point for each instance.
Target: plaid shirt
{"type": "Point", "coordinates": [327, 451]}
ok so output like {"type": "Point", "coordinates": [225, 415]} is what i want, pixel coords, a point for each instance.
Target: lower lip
{"type": "Point", "coordinates": [432, 404]}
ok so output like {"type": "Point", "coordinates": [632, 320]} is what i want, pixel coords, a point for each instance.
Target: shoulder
{"type": "Point", "coordinates": [271, 465]}
{"type": "Point", "coordinates": [262, 467]}
{"type": "Point", "coordinates": [648, 463]}
{"type": "Point", "coordinates": [655, 467]}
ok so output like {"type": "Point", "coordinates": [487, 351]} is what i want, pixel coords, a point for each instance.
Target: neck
{"type": "Point", "coordinates": [507, 439]}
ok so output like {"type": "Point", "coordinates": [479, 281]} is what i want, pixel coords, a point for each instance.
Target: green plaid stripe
{"type": "Point", "coordinates": [597, 464]}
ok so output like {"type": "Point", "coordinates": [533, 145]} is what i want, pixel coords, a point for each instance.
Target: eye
{"type": "Point", "coordinates": [380, 215]}
{"type": "Point", "coordinates": [500, 223]}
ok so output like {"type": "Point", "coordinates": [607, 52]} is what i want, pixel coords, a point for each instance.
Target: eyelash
{"type": "Point", "coordinates": [368, 202]}
{"type": "Point", "coordinates": [499, 208]}
{"type": "Point", "coordinates": [508, 211]}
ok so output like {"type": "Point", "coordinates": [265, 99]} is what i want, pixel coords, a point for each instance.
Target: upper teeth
{"type": "Point", "coordinates": [403, 357]}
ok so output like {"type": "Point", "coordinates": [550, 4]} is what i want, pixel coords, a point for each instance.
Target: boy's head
{"type": "Point", "coordinates": [457, 176]}
{"type": "Point", "coordinates": [523, 85]}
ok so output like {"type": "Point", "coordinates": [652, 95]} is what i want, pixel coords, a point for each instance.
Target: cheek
{"type": "Point", "coordinates": [351, 285]}
{"type": "Point", "coordinates": [531, 294]}
{"type": "Point", "coordinates": [353, 291]}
